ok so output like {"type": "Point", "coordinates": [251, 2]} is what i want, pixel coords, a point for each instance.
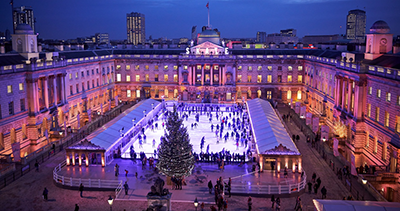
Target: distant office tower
{"type": "Point", "coordinates": [289, 32]}
{"type": "Point", "coordinates": [23, 14]}
{"type": "Point", "coordinates": [261, 37]}
{"type": "Point", "coordinates": [102, 38]}
{"type": "Point", "coordinates": [135, 25]}
{"type": "Point", "coordinates": [355, 26]}
{"type": "Point", "coordinates": [194, 33]}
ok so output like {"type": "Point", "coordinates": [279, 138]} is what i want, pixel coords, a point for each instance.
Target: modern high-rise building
{"type": "Point", "coordinates": [261, 37]}
{"type": "Point", "coordinates": [102, 38]}
{"type": "Point", "coordinates": [355, 25]}
{"type": "Point", "coordinates": [135, 25]}
{"type": "Point", "coordinates": [21, 15]}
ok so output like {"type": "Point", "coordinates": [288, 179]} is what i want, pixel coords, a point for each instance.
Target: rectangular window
{"type": "Point", "coordinates": [88, 85]}
{"type": "Point", "coordinates": [387, 115]}
{"type": "Point", "coordinates": [70, 76]}
{"type": "Point", "coordinates": [398, 124]}
{"type": "Point", "coordinates": [175, 67]}
{"type": "Point", "coordinates": [259, 79]}
{"type": "Point", "coordinates": [87, 72]}
{"type": "Point", "coordinates": [269, 95]}
{"type": "Point", "coordinates": [83, 74]}
{"type": "Point", "coordinates": [71, 91]}
{"type": "Point", "coordinates": [77, 88]}
{"type": "Point", "coordinates": [156, 67]}
{"type": "Point", "coordinates": [165, 77]}
{"type": "Point", "coordinates": [239, 79]}
{"type": "Point", "coordinates": [378, 93]}
{"type": "Point", "coordinates": [175, 78]}
{"type": "Point", "coordinates": [83, 86]}
{"type": "Point", "coordinates": [22, 104]}
{"type": "Point", "coordinates": [97, 70]}
{"type": "Point", "coordinates": [92, 83]}
{"type": "Point", "coordinates": [9, 89]}
{"type": "Point", "coordinates": [128, 67]}
{"type": "Point", "coordinates": [377, 114]}
{"type": "Point", "coordinates": [398, 99]}
{"type": "Point", "coordinates": [300, 79]}
{"type": "Point", "coordinates": [118, 77]}
{"type": "Point", "coordinates": [239, 67]}
{"type": "Point", "coordinates": [76, 75]}
{"type": "Point", "coordinates": [290, 68]}
{"type": "Point", "coordinates": [147, 78]}
{"type": "Point", "coordinates": [137, 67]}
{"type": "Point", "coordinates": [279, 78]}
{"type": "Point", "coordinates": [388, 96]}
{"type": "Point", "coordinates": [300, 68]}
{"type": "Point", "coordinates": [128, 93]}
{"type": "Point", "coordinates": [11, 108]}
{"type": "Point", "coordinates": [118, 67]}
{"type": "Point", "coordinates": [92, 71]}
{"type": "Point", "coordinates": [370, 90]}
{"type": "Point", "coordinates": [165, 67]}
{"type": "Point", "coordinates": [97, 82]}
{"type": "Point", "coordinates": [249, 78]}
{"type": "Point", "coordinates": [128, 78]}
{"type": "Point", "coordinates": [259, 68]}
{"type": "Point", "coordinates": [185, 67]}
{"type": "Point", "coordinates": [269, 78]}
{"type": "Point", "coordinates": [156, 77]}
{"type": "Point", "coordinates": [289, 79]}
{"type": "Point", "coordinates": [269, 68]}
{"type": "Point", "coordinates": [279, 67]}
{"type": "Point", "coordinates": [137, 78]}
{"type": "Point", "coordinates": [146, 67]}
{"type": "Point", "coordinates": [369, 110]}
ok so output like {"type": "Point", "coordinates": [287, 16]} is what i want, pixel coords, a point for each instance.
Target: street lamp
{"type": "Point", "coordinates": [323, 139]}
{"type": "Point", "coordinates": [110, 202]}
{"type": "Point", "coordinates": [196, 203]}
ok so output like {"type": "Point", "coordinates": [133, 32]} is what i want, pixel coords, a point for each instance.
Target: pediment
{"type": "Point", "coordinates": [208, 45]}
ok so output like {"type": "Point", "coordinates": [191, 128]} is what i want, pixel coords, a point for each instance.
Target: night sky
{"type": "Point", "coordinates": [68, 19]}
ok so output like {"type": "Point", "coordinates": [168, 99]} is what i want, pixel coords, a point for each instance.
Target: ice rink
{"type": "Point", "coordinates": [195, 134]}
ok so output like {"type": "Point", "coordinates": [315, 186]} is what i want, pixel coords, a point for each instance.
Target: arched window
{"type": "Point", "coordinates": [289, 95]}
{"type": "Point", "coordinates": [258, 93]}
{"type": "Point", "coordinates": [166, 93]}
{"type": "Point", "coordinates": [12, 136]}
{"type": "Point", "coordinates": [299, 94]}
{"type": "Point", "coordinates": [19, 45]}
{"type": "Point", "coordinates": [32, 44]}
{"type": "Point", "coordinates": [175, 93]}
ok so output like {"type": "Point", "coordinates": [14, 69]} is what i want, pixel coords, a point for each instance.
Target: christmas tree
{"type": "Point", "coordinates": [175, 156]}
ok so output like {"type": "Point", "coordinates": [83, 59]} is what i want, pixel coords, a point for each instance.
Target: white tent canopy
{"type": "Point", "coordinates": [268, 129]}
{"type": "Point", "coordinates": [344, 205]}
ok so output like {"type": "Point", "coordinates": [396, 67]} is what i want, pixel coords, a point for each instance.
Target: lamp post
{"type": "Point", "coordinates": [110, 202]}
{"type": "Point", "coordinates": [196, 203]}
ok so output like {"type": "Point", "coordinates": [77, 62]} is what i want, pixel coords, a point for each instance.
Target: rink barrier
{"type": "Point", "coordinates": [71, 182]}
{"type": "Point", "coordinates": [259, 188]}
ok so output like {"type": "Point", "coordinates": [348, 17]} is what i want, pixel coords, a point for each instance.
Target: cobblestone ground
{"type": "Point", "coordinates": [26, 192]}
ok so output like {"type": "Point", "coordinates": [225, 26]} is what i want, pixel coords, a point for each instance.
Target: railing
{"type": "Point", "coordinates": [259, 188]}
{"type": "Point", "coordinates": [89, 183]}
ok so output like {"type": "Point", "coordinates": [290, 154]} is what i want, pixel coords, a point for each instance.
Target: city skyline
{"type": "Point", "coordinates": [75, 20]}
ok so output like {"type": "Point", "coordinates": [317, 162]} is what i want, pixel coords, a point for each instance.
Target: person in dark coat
{"type": "Point", "coordinates": [210, 186]}
{"type": "Point", "coordinates": [323, 192]}
{"type": "Point", "coordinates": [45, 194]}
{"type": "Point", "coordinates": [81, 189]}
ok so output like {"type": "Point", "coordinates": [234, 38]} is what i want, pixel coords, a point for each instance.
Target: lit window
{"type": "Point", "coordinates": [128, 93]}
{"type": "Point", "coordinates": [118, 77]}
{"type": "Point", "coordinates": [175, 78]}
{"type": "Point", "coordinates": [279, 78]}
{"type": "Point", "coordinates": [370, 90]}
{"type": "Point", "coordinates": [269, 78]}
{"type": "Point", "coordinates": [378, 93]}
{"type": "Point", "coordinates": [137, 67]}
{"type": "Point", "coordinates": [300, 68]}
{"type": "Point", "coordinates": [165, 77]}
{"type": "Point", "coordinates": [156, 67]}
{"type": "Point", "coordinates": [239, 79]}
{"type": "Point", "coordinates": [388, 96]}
{"type": "Point", "coordinates": [377, 114]}
{"type": "Point", "coordinates": [185, 67]}
{"type": "Point", "coordinates": [128, 67]}
{"type": "Point", "coordinates": [299, 94]}
{"type": "Point", "coordinates": [300, 78]}
{"type": "Point", "coordinates": [249, 78]}
{"type": "Point", "coordinates": [146, 67]}
{"type": "Point", "coordinates": [398, 100]}
{"type": "Point", "coordinates": [259, 68]}
{"type": "Point", "coordinates": [269, 95]}
{"type": "Point", "coordinates": [387, 115]}
{"type": "Point", "coordinates": [289, 78]}
{"type": "Point", "coordinates": [269, 68]}
{"type": "Point", "coordinates": [250, 68]}
{"type": "Point", "coordinates": [128, 78]}
{"type": "Point", "coordinates": [290, 68]}
{"type": "Point", "coordinates": [21, 86]}
{"type": "Point", "coordinates": [199, 67]}
{"type": "Point", "coordinates": [259, 79]}
{"type": "Point", "coordinates": [240, 67]}
{"type": "Point", "coordinates": [165, 67]}
{"type": "Point", "coordinates": [137, 78]}
{"type": "Point", "coordinates": [289, 95]}
{"type": "Point", "coordinates": [137, 93]}
{"type": "Point", "coordinates": [175, 67]}
{"type": "Point", "coordinates": [70, 76]}
{"type": "Point", "coordinates": [156, 77]}
{"type": "Point", "coordinates": [9, 89]}
{"type": "Point", "coordinates": [398, 124]}
{"type": "Point", "coordinates": [76, 75]}
{"type": "Point", "coordinates": [215, 67]}
{"type": "Point", "coordinates": [147, 78]}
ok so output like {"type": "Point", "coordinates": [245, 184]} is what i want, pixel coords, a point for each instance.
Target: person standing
{"type": "Point", "coordinates": [323, 191]}
{"type": "Point", "coordinates": [126, 187]}
{"type": "Point", "coordinates": [272, 201]}
{"type": "Point", "coordinates": [297, 203]}
{"type": "Point", "coordinates": [45, 194]}
{"type": "Point", "coordinates": [37, 165]}
{"type": "Point", "coordinates": [81, 189]}
{"type": "Point", "coordinates": [278, 204]}
{"type": "Point", "coordinates": [76, 207]}
{"type": "Point", "coordinates": [299, 206]}
{"type": "Point", "coordinates": [210, 186]}
{"type": "Point", "coordinates": [249, 203]}
{"type": "Point", "coordinates": [309, 187]}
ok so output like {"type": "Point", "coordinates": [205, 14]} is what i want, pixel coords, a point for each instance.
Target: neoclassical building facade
{"type": "Point", "coordinates": [356, 94]}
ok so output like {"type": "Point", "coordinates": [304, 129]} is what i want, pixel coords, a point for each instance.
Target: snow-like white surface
{"type": "Point", "coordinates": [195, 134]}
